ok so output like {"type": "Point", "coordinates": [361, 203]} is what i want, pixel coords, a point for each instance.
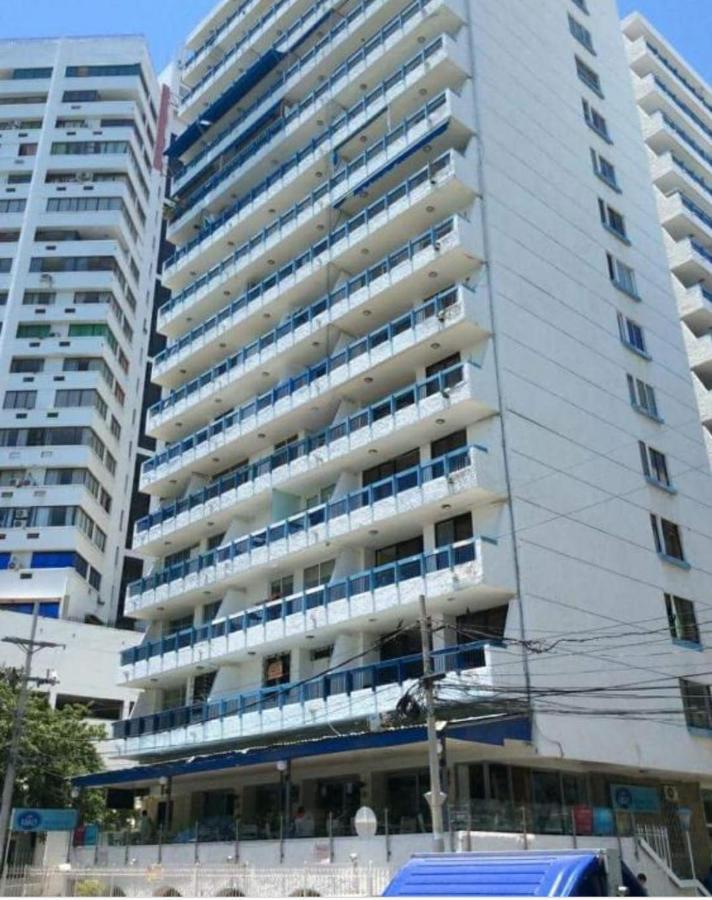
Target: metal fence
{"type": "Point", "coordinates": [658, 839]}
{"type": "Point", "coordinates": [200, 881]}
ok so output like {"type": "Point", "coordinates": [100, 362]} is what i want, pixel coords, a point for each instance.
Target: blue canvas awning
{"type": "Point", "coordinates": [493, 730]}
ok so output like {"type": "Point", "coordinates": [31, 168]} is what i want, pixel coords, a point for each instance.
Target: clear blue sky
{"type": "Point", "coordinates": [686, 23]}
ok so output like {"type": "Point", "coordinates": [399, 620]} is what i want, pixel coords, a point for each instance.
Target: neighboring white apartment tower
{"type": "Point", "coordinates": [80, 208]}
{"type": "Point", "coordinates": [675, 105]}
{"type": "Point", "coordinates": [421, 342]}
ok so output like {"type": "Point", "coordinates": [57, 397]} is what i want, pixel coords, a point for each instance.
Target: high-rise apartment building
{"type": "Point", "coordinates": [421, 343]}
{"type": "Point", "coordinates": [80, 204]}
{"type": "Point", "coordinates": [675, 105]}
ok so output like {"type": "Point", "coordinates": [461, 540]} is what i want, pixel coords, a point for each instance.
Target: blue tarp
{"type": "Point", "coordinates": [491, 730]}
{"type": "Point", "coordinates": [517, 874]}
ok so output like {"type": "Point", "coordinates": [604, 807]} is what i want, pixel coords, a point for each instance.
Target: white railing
{"type": "Point", "coordinates": [657, 837]}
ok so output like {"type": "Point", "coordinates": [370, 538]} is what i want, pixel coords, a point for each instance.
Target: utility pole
{"type": "Point", "coordinates": [29, 646]}
{"type": "Point", "coordinates": [436, 795]}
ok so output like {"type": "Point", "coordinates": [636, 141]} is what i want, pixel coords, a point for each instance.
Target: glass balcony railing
{"type": "Point", "coordinates": [427, 239]}
{"type": "Point", "coordinates": [698, 179]}
{"type": "Point", "coordinates": [338, 180]}
{"type": "Point", "coordinates": [364, 418]}
{"type": "Point", "coordinates": [279, 6]}
{"type": "Point", "coordinates": [373, 45]}
{"type": "Point", "coordinates": [690, 113]}
{"type": "Point", "coordinates": [432, 307]}
{"type": "Point", "coordinates": [697, 211]}
{"type": "Point", "coordinates": [369, 106]}
{"type": "Point", "coordinates": [678, 74]}
{"type": "Point", "coordinates": [284, 389]}
{"type": "Point", "coordinates": [690, 141]}
{"type": "Point", "coordinates": [455, 659]}
{"type": "Point", "coordinates": [277, 228]}
{"type": "Point", "coordinates": [366, 582]}
{"type": "Point", "coordinates": [303, 522]}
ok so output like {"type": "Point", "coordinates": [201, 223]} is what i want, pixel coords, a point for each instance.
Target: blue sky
{"type": "Point", "coordinates": [686, 23]}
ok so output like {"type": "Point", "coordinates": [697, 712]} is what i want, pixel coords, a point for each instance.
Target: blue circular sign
{"type": "Point", "coordinates": [29, 821]}
{"type": "Point", "coordinates": [624, 798]}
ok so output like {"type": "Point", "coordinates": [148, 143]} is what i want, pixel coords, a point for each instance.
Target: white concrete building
{"type": "Point", "coordinates": [675, 105]}
{"type": "Point", "coordinates": [421, 341]}
{"type": "Point", "coordinates": [80, 197]}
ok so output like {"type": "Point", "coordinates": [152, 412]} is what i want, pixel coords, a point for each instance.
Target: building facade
{"type": "Point", "coordinates": [81, 198]}
{"type": "Point", "coordinates": [675, 105]}
{"type": "Point", "coordinates": [421, 345]}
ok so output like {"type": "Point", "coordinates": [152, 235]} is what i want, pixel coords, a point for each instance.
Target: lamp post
{"type": "Point", "coordinates": [684, 815]}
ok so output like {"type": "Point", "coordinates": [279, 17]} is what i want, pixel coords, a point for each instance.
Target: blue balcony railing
{"type": "Point", "coordinates": [702, 250]}
{"type": "Point", "coordinates": [261, 614]}
{"type": "Point", "coordinates": [697, 211]}
{"type": "Point", "coordinates": [678, 74]}
{"type": "Point", "coordinates": [273, 231]}
{"type": "Point", "coordinates": [339, 179]}
{"type": "Point", "coordinates": [283, 390]}
{"type": "Point", "coordinates": [455, 659]}
{"type": "Point", "coordinates": [374, 43]}
{"type": "Point", "coordinates": [436, 304]}
{"type": "Point", "coordinates": [690, 113]}
{"type": "Point", "coordinates": [370, 105]}
{"type": "Point", "coordinates": [316, 9]}
{"type": "Point", "coordinates": [303, 522]}
{"type": "Point", "coordinates": [698, 179]}
{"type": "Point", "coordinates": [364, 418]}
{"type": "Point", "coordinates": [430, 238]}
{"type": "Point", "coordinates": [217, 33]}
{"type": "Point", "coordinates": [688, 139]}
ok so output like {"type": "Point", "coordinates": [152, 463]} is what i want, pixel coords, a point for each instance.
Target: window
{"type": "Point", "coordinates": [612, 220]}
{"type": "Point", "coordinates": [281, 587]}
{"type": "Point", "coordinates": [596, 121]}
{"type": "Point", "coordinates": [20, 400]}
{"type": "Point", "coordinates": [323, 496]}
{"type": "Point", "coordinates": [109, 710]}
{"type": "Point", "coordinates": [697, 703]}
{"type": "Point", "coordinates": [588, 76]}
{"type": "Point", "coordinates": [632, 334]}
{"type": "Point", "coordinates": [666, 536]}
{"type": "Point", "coordinates": [642, 397]}
{"type": "Point", "coordinates": [318, 575]}
{"type": "Point", "coordinates": [173, 697]}
{"type": "Point", "coordinates": [391, 467]}
{"type": "Point", "coordinates": [5, 265]}
{"type": "Point", "coordinates": [276, 670]}
{"type": "Point", "coordinates": [454, 530]}
{"type": "Point", "coordinates": [38, 298]}
{"type": "Point", "coordinates": [682, 619]}
{"type": "Point", "coordinates": [75, 398]}
{"type": "Point", "coordinates": [654, 465]}
{"type": "Point", "coordinates": [448, 444]}
{"type": "Point", "coordinates": [604, 169]}
{"type": "Point", "coordinates": [395, 552]}
{"type": "Point", "coordinates": [622, 276]}
{"type": "Point", "coordinates": [12, 206]}
{"type": "Point", "coordinates": [20, 74]}
{"type": "Point", "coordinates": [202, 685]}
{"type": "Point", "coordinates": [582, 34]}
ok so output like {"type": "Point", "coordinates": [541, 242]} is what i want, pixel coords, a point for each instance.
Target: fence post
{"type": "Point", "coordinates": [96, 848]}
{"type": "Point", "coordinates": [451, 829]}
{"type": "Point", "coordinates": [387, 833]}
{"type": "Point", "coordinates": [525, 833]}
{"type": "Point", "coordinates": [331, 837]}
{"type": "Point", "coordinates": [236, 851]}
{"type": "Point", "coordinates": [70, 839]}
{"type": "Point", "coordinates": [281, 839]}
{"type": "Point", "coordinates": [127, 839]}
{"type": "Point", "coordinates": [469, 827]}
{"type": "Point", "coordinates": [634, 826]}
{"type": "Point", "coordinates": [159, 852]}
{"type": "Point", "coordinates": [196, 850]}
{"type": "Point", "coordinates": [574, 836]}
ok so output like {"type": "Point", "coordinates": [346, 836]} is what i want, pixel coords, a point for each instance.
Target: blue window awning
{"type": "Point", "coordinates": [492, 730]}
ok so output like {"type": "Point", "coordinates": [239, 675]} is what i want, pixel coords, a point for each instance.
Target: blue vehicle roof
{"type": "Point", "coordinates": [517, 874]}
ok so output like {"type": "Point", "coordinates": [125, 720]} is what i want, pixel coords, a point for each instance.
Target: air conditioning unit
{"type": "Point", "coordinates": [14, 563]}
{"type": "Point", "coordinates": [84, 176]}
{"type": "Point", "coordinates": [20, 515]}
{"type": "Point", "coordinates": [17, 123]}
{"type": "Point", "coordinates": [670, 793]}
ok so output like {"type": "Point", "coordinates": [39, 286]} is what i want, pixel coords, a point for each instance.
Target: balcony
{"type": "Point", "coordinates": [683, 218]}
{"type": "Point", "coordinates": [699, 352]}
{"type": "Point", "coordinates": [388, 592]}
{"type": "Point", "coordinates": [663, 135]}
{"type": "Point", "coordinates": [653, 94]}
{"type": "Point", "coordinates": [307, 400]}
{"type": "Point", "coordinates": [433, 192]}
{"type": "Point", "coordinates": [281, 28]}
{"type": "Point", "coordinates": [646, 59]}
{"type": "Point", "coordinates": [341, 49]}
{"type": "Point", "coordinates": [205, 41]}
{"type": "Point", "coordinates": [672, 174]}
{"type": "Point", "coordinates": [439, 66]}
{"type": "Point", "coordinates": [695, 306]}
{"type": "Point", "coordinates": [302, 537]}
{"type": "Point", "coordinates": [691, 261]}
{"type": "Point", "coordinates": [356, 693]}
{"type": "Point", "coordinates": [411, 413]}
{"type": "Point", "coordinates": [295, 343]}
{"type": "Point", "coordinates": [432, 124]}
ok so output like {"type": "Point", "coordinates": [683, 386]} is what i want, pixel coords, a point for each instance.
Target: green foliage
{"type": "Point", "coordinates": [90, 887]}
{"type": "Point", "coordinates": [56, 745]}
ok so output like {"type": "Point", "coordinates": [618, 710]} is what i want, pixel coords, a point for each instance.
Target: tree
{"type": "Point", "coordinates": [56, 746]}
